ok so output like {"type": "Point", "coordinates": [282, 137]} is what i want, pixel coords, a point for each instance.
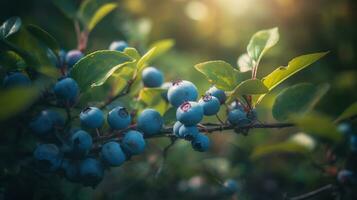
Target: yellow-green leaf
{"type": "Point", "coordinates": [162, 46]}
{"type": "Point", "coordinates": [261, 42]}
{"type": "Point", "coordinates": [248, 87]}
{"type": "Point", "coordinates": [349, 112]}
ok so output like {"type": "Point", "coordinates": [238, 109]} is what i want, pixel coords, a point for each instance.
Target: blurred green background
{"type": "Point", "coordinates": [210, 30]}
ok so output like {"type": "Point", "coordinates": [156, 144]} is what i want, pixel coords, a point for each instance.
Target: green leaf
{"type": "Point", "coordinates": [170, 115]}
{"type": "Point", "coordinates": [349, 112]}
{"type": "Point", "coordinates": [145, 59]}
{"type": "Point", "coordinates": [161, 47]}
{"type": "Point", "coordinates": [294, 66]}
{"type": "Point", "coordinates": [282, 147]}
{"type": "Point", "coordinates": [318, 125]}
{"type": "Point", "coordinates": [152, 98]}
{"type": "Point", "coordinates": [68, 7]}
{"type": "Point", "coordinates": [15, 100]}
{"type": "Point", "coordinates": [94, 67]}
{"type": "Point", "coordinates": [297, 99]}
{"type": "Point", "coordinates": [220, 73]}
{"type": "Point", "coordinates": [9, 27]}
{"type": "Point", "coordinates": [44, 37]}
{"type": "Point", "coordinates": [91, 12]}
{"type": "Point", "coordinates": [245, 63]}
{"type": "Point", "coordinates": [132, 52]}
{"type": "Point", "coordinates": [261, 42]}
{"type": "Point", "coordinates": [10, 60]}
{"type": "Point", "coordinates": [248, 87]}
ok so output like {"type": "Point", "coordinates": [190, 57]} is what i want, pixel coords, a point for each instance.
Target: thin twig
{"type": "Point", "coordinates": [121, 94]}
{"type": "Point", "coordinates": [164, 156]}
{"type": "Point", "coordinates": [313, 193]}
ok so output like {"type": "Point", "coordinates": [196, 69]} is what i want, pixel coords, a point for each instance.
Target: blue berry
{"type": "Point", "coordinates": [91, 171]}
{"type": "Point", "coordinates": [210, 104]}
{"type": "Point", "coordinates": [45, 122]}
{"type": "Point", "coordinates": [150, 122]}
{"type": "Point", "coordinates": [219, 94]}
{"type": "Point", "coordinates": [252, 115]}
{"type": "Point", "coordinates": [176, 128]}
{"type": "Point", "coordinates": [346, 176]}
{"type": "Point", "coordinates": [81, 143]}
{"type": "Point", "coordinates": [119, 118]}
{"type": "Point", "coordinates": [236, 105]}
{"type": "Point", "coordinates": [48, 157]}
{"type": "Point", "coordinates": [189, 113]}
{"type": "Point", "coordinates": [166, 87]}
{"type": "Point", "coordinates": [72, 57]}
{"type": "Point", "coordinates": [188, 132]}
{"type": "Point", "coordinates": [66, 90]}
{"type": "Point", "coordinates": [152, 77]}
{"type": "Point", "coordinates": [113, 154]}
{"type": "Point", "coordinates": [181, 91]}
{"type": "Point", "coordinates": [118, 45]}
{"type": "Point", "coordinates": [16, 79]}
{"type": "Point", "coordinates": [71, 169]}
{"type": "Point", "coordinates": [201, 143]}
{"type": "Point", "coordinates": [92, 117]}
{"type": "Point", "coordinates": [238, 117]}
{"type": "Point", "coordinates": [353, 143]}
{"type": "Point", "coordinates": [345, 128]}
{"type": "Point", "coordinates": [230, 186]}
{"type": "Point", "coordinates": [133, 142]}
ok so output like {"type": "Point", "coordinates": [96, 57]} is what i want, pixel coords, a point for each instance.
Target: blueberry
{"type": "Point", "coordinates": [166, 87]}
{"type": "Point", "coordinates": [72, 57]}
{"type": "Point", "coordinates": [48, 157]}
{"type": "Point", "coordinates": [353, 143]}
{"type": "Point", "coordinates": [66, 90]}
{"type": "Point", "coordinates": [230, 186]}
{"type": "Point", "coordinates": [61, 58]}
{"type": "Point", "coordinates": [81, 143]}
{"type": "Point", "coordinates": [71, 169]}
{"type": "Point", "coordinates": [346, 177]}
{"type": "Point", "coordinates": [45, 122]}
{"type": "Point", "coordinates": [181, 91]}
{"type": "Point", "coordinates": [210, 104]}
{"type": "Point", "coordinates": [345, 128]}
{"type": "Point", "coordinates": [119, 118]}
{"type": "Point", "coordinates": [176, 128]}
{"type": "Point", "coordinates": [188, 132]}
{"type": "Point", "coordinates": [237, 117]}
{"type": "Point", "coordinates": [16, 79]}
{"type": "Point", "coordinates": [113, 154]}
{"type": "Point", "coordinates": [133, 142]}
{"type": "Point", "coordinates": [219, 94]}
{"type": "Point", "coordinates": [118, 45]}
{"type": "Point", "coordinates": [236, 105]}
{"type": "Point", "coordinates": [252, 115]}
{"type": "Point", "coordinates": [201, 143]}
{"type": "Point", "coordinates": [92, 117]}
{"type": "Point", "coordinates": [189, 113]}
{"type": "Point", "coordinates": [150, 122]}
{"type": "Point", "coordinates": [152, 77]}
{"type": "Point", "coordinates": [91, 171]}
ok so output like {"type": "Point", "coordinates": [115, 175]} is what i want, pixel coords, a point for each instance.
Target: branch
{"type": "Point", "coordinates": [313, 193]}
{"type": "Point", "coordinates": [121, 94]}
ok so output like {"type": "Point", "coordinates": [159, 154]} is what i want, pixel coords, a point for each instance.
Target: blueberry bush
{"type": "Point", "coordinates": [71, 116]}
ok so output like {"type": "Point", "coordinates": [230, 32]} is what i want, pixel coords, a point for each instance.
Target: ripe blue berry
{"type": "Point", "coordinates": [201, 143]}
{"type": "Point", "coordinates": [237, 117]}
{"type": "Point", "coordinates": [219, 94]}
{"type": "Point", "coordinates": [210, 104]}
{"type": "Point", "coordinates": [45, 122]}
{"type": "Point", "coordinates": [72, 57]}
{"type": "Point", "coordinates": [176, 128]}
{"type": "Point", "coordinates": [188, 132]}
{"type": "Point", "coordinates": [189, 113]}
{"type": "Point", "coordinates": [71, 169]}
{"type": "Point", "coordinates": [133, 142]}
{"type": "Point", "coordinates": [16, 79]}
{"type": "Point", "coordinates": [66, 90]}
{"type": "Point", "coordinates": [118, 45]}
{"type": "Point", "coordinates": [346, 177]}
{"type": "Point", "coordinates": [181, 91]}
{"type": "Point", "coordinates": [166, 87]}
{"type": "Point", "coordinates": [92, 117]}
{"type": "Point", "coordinates": [119, 118]}
{"type": "Point", "coordinates": [113, 154]}
{"type": "Point", "coordinates": [150, 122]}
{"type": "Point", "coordinates": [230, 186]}
{"type": "Point", "coordinates": [48, 156]}
{"type": "Point", "coordinates": [345, 128]}
{"type": "Point", "coordinates": [81, 143]}
{"type": "Point", "coordinates": [236, 105]}
{"type": "Point", "coordinates": [353, 143]}
{"type": "Point", "coordinates": [91, 171]}
{"type": "Point", "coordinates": [152, 77]}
